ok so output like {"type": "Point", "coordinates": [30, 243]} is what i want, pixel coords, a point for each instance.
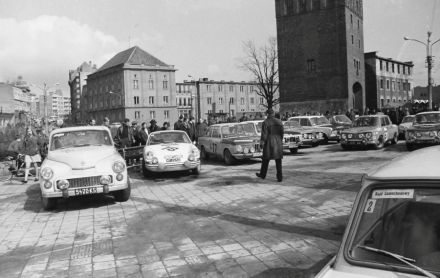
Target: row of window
{"type": "Point", "coordinates": [209, 88]}
{"type": "Point", "coordinates": [231, 100]}
{"type": "Point", "coordinates": [151, 100]}
{"type": "Point", "coordinates": [391, 85]}
{"type": "Point", "coordinates": [166, 114]}
{"type": "Point", "coordinates": [359, 41]}
{"type": "Point", "coordinates": [150, 84]}
{"type": "Point", "coordinates": [392, 67]}
{"type": "Point", "coordinates": [300, 6]}
{"type": "Point", "coordinates": [382, 101]}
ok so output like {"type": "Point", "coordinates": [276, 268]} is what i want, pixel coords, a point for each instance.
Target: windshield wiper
{"type": "Point", "coordinates": [400, 258]}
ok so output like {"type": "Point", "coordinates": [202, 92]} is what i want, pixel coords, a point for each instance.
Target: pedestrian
{"type": "Point", "coordinates": [201, 128]}
{"type": "Point", "coordinates": [32, 155]}
{"type": "Point", "coordinates": [106, 122]}
{"type": "Point", "coordinates": [42, 142]}
{"type": "Point", "coordinates": [92, 122]}
{"type": "Point", "coordinates": [153, 126]}
{"type": "Point", "coordinates": [178, 125]}
{"type": "Point", "coordinates": [136, 133]}
{"type": "Point", "coordinates": [143, 133]}
{"type": "Point", "coordinates": [165, 126]}
{"type": "Point", "coordinates": [192, 129]}
{"type": "Point", "coordinates": [125, 134]}
{"type": "Point", "coordinates": [271, 141]}
{"type": "Point", "coordinates": [243, 118]}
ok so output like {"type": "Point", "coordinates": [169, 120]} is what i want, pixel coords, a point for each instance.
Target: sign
{"type": "Point", "coordinates": [393, 194]}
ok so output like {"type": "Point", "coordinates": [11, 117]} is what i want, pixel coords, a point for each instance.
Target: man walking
{"type": "Point", "coordinates": [272, 133]}
{"type": "Point", "coordinates": [144, 133]}
{"type": "Point", "coordinates": [125, 134]}
{"type": "Point", "coordinates": [32, 155]}
{"type": "Point", "coordinates": [201, 128]}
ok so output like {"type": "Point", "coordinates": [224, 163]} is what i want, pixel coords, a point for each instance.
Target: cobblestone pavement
{"type": "Point", "coordinates": [223, 223]}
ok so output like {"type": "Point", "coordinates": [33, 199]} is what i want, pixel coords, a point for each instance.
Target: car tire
{"type": "Point", "coordinates": [203, 154]}
{"type": "Point", "coordinates": [124, 194]}
{"type": "Point", "coordinates": [228, 158]}
{"type": "Point", "coordinates": [197, 170]}
{"type": "Point", "coordinates": [49, 203]}
{"type": "Point", "coordinates": [395, 139]}
{"type": "Point", "coordinates": [410, 147]}
{"type": "Point", "coordinates": [293, 150]}
{"type": "Point", "coordinates": [381, 143]}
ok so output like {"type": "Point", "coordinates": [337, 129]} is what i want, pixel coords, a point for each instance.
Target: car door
{"type": "Point", "coordinates": [215, 140]}
{"type": "Point", "coordinates": [390, 127]}
{"type": "Point", "coordinates": [385, 127]}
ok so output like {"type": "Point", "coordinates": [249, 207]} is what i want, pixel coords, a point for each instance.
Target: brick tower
{"type": "Point", "coordinates": [321, 55]}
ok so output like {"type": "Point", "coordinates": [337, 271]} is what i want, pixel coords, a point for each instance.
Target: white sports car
{"type": "Point", "coordinates": [82, 161]}
{"type": "Point", "coordinates": [170, 150]}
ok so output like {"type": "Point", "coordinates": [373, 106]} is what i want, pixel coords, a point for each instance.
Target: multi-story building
{"type": "Point", "coordinates": [57, 105]}
{"type": "Point", "coordinates": [387, 81]}
{"type": "Point", "coordinates": [320, 55]}
{"type": "Point", "coordinates": [77, 79]}
{"type": "Point", "coordinates": [133, 84]}
{"type": "Point", "coordinates": [421, 96]}
{"type": "Point", "coordinates": [15, 104]}
{"type": "Point", "coordinates": [220, 98]}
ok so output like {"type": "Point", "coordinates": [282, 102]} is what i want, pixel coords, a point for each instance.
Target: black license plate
{"type": "Point", "coordinates": [85, 191]}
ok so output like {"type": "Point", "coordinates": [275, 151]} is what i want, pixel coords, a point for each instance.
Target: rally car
{"type": "Point", "coordinates": [169, 151]}
{"type": "Point", "coordinates": [82, 161]}
{"type": "Point", "coordinates": [318, 123]}
{"type": "Point", "coordinates": [425, 130]}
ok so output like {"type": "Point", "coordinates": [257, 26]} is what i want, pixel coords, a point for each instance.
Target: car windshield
{"type": "Point", "coordinates": [366, 121]}
{"type": "Point", "coordinates": [291, 124]}
{"type": "Point", "coordinates": [408, 119]}
{"type": "Point", "coordinates": [427, 118]}
{"type": "Point", "coordinates": [342, 119]}
{"type": "Point", "coordinates": [167, 137]}
{"type": "Point", "coordinates": [319, 120]}
{"type": "Point", "coordinates": [80, 138]}
{"type": "Point", "coordinates": [405, 222]}
{"type": "Point", "coordinates": [245, 129]}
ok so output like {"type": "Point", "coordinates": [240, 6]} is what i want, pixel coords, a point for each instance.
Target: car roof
{"type": "Point", "coordinates": [169, 131]}
{"type": "Point", "coordinates": [428, 112]}
{"type": "Point", "coordinates": [78, 128]}
{"type": "Point", "coordinates": [228, 124]}
{"type": "Point", "coordinates": [420, 164]}
{"type": "Point", "coordinates": [254, 121]}
{"type": "Point", "coordinates": [307, 116]}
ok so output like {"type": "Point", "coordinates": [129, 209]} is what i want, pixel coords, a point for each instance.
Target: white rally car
{"type": "Point", "coordinates": [170, 150]}
{"type": "Point", "coordinates": [82, 161]}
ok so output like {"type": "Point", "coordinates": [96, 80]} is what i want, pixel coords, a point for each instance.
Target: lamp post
{"type": "Point", "coordinates": [428, 46]}
{"type": "Point", "coordinates": [197, 99]}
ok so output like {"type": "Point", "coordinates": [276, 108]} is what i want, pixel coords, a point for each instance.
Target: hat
{"type": "Point", "coordinates": [181, 117]}
{"type": "Point", "coordinates": [153, 121]}
{"type": "Point", "coordinates": [134, 123]}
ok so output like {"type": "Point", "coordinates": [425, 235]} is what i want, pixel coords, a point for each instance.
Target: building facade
{"type": "Point", "coordinates": [77, 80]}
{"type": "Point", "coordinates": [133, 84]}
{"type": "Point", "coordinates": [205, 98]}
{"type": "Point", "coordinates": [320, 55]}
{"type": "Point", "coordinates": [57, 105]}
{"type": "Point", "coordinates": [421, 96]}
{"type": "Point", "coordinates": [15, 104]}
{"type": "Point", "coordinates": [388, 82]}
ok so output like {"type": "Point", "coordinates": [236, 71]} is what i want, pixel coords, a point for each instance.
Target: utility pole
{"type": "Point", "coordinates": [45, 109]}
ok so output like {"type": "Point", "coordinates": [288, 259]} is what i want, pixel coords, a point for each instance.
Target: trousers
{"type": "Point", "coordinates": [265, 165]}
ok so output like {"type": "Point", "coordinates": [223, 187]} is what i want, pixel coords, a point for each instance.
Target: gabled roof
{"type": "Point", "coordinates": [132, 56]}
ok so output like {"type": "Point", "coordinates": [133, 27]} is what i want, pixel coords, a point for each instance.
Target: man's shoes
{"type": "Point", "coordinates": [259, 175]}
{"type": "Point", "coordinates": [24, 181]}
{"type": "Point", "coordinates": [280, 178]}
{"type": "Point", "coordinates": [36, 179]}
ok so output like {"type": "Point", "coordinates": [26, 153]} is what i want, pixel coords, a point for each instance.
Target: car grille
{"type": "Point", "coordinates": [257, 148]}
{"type": "Point", "coordinates": [291, 139]}
{"type": "Point", "coordinates": [84, 182]}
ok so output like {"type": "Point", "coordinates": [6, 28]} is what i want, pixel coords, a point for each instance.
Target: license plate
{"type": "Point", "coordinates": [291, 145]}
{"type": "Point", "coordinates": [86, 191]}
{"type": "Point", "coordinates": [174, 159]}
{"type": "Point", "coordinates": [258, 154]}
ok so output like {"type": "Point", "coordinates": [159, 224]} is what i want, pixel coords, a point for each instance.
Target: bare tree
{"type": "Point", "coordinates": [263, 64]}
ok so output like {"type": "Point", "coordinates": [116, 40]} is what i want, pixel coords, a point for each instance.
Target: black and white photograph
{"type": "Point", "coordinates": [219, 139]}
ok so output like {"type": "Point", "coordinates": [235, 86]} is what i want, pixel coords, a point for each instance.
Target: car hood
{"type": "Point", "coordinates": [425, 127]}
{"type": "Point", "coordinates": [241, 139]}
{"type": "Point", "coordinates": [169, 149]}
{"type": "Point", "coordinates": [82, 157]}
{"type": "Point", "coordinates": [360, 129]}
{"type": "Point", "coordinates": [342, 126]}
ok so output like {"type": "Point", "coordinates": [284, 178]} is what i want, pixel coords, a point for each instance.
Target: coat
{"type": "Point", "coordinates": [272, 133]}
{"type": "Point", "coordinates": [30, 146]}
{"type": "Point", "coordinates": [144, 136]}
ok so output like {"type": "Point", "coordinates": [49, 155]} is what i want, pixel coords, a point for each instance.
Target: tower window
{"type": "Point", "coordinates": [311, 65]}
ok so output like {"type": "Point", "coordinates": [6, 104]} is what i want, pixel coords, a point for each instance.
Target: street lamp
{"type": "Point", "coordinates": [197, 99]}
{"type": "Point", "coordinates": [428, 46]}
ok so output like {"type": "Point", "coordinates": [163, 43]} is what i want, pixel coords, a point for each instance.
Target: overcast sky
{"type": "Point", "coordinates": [41, 40]}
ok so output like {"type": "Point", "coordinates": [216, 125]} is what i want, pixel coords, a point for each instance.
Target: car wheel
{"type": "Point", "coordinates": [293, 150]}
{"type": "Point", "coordinates": [145, 171]}
{"type": "Point", "coordinates": [49, 203]}
{"type": "Point", "coordinates": [395, 139]}
{"type": "Point", "coordinates": [410, 147]}
{"type": "Point", "coordinates": [380, 144]}
{"type": "Point", "coordinates": [123, 195]}
{"type": "Point", "coordinates": [228, 158]}
{"type": "Point", "coordinates": [197, 170]}
{"type": "Point", "coordinates": [203, 154]}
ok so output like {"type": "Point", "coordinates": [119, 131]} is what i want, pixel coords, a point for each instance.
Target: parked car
{"type": "Point", "coordinates": [425, 130]}
{"type": "Point", "coordinates": [340, 123]}
{"type": "Point", "coordinates": [370, 130]}
{"type": "Point", "coordinates": [393, 229]}
{"type": "Point", "coordinates": [82, 161]}
{"type": "Point", "coordinates": [230, 142]}
{"type": "Point", "coordinates": [407, 121]}
{"type": "Point", "coordinates": [318, 122]}
{"type": "Point", "coordinates": [170, 150]}
{"type": "Point", "coordinates": [291, 138]}
{"type": "Point", "coordinates": [309, 137]}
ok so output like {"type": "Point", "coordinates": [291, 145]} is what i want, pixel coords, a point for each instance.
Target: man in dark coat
{"type": "Point", "coordinates": [192, 129]}
{"type": "Point", "coordinates": [201, 128]}
{"type": "Point", "coordinates": [144, 133]}
{"type": "Point", "coordinates": [272, 133]}
{"type": "Point", "coordinates": [153, 126]}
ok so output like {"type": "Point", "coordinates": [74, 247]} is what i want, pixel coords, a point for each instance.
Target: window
{"type": "Point", "coordinates": [352, 39]}
{"type": "Point", "coordinates": [381, 84]}
{"type": "Point", "coordinates": [135, 84]}
{"type": "Point", "coordinates": [150, 84]}
{"type": "Point", "coordinates": [358, 25]}
{"type": "Point", "coordinates": [241, 88]}
{"type": "Point", "coordinates": [251, 89]}
{"type": "Point", "coordinates": [261, 100]}
{"type": "Point", "coordinates": [137, 114]}
{"type": "Point", "coordinates": [220, 88]}
{"type": "Point", "coordinates": [380, 65]}
{"type": "Point", "coordinates": [392, 67]}
{"type": "Point", "coordinates": [209, 111]}
{"type": "Point", "coordinates": [242, 101]}
{"type": "Point", "coordinates": [403, 69]}
{"type": "Point", "coordinates": [409, 71]}
{"type": "Point", "coordinates": [252, 100]}
{"type": "Point", "coordinates": [166, 114]}
{"type": "Point", "coordinates": [165, 84]}
{"type": "Point", "coordinates": [359, 44]}
{"type": "Point", "coordinates": [184, 102]}
{"type": "Point", "coordinates": [398, 68]}
{"type": "Point", "coordinates": [231, 88]}
{"type": "Point", "coordinates": [136, 100]}
{"type": "Point", "coordinates": [165, 99]}
{"type": "Point", "coordinates": [388, 69]}
{"type": "Point", "coordinates": [393, 85]}
{"type": "Point", "coordinates": [351, 19]}
{"type": "Point", "coordinates": [180, 102]}
{"type": "Point", "coordinates": [152, 114]}
{"type": "Point", "coordinates": [231, 100]}
{"type": "Point", "coordinates": [150, 100]}
{"type": "Point", "coordinates": [311, 66]}
{"type": "Point", "coordinates": [209, 100]}
{"type": "Point", "coordinates": [220, 100]}
{"type": "Point", "coordinates": [208, 88]}
{"type": "Point", "coordinates": [388, 84]}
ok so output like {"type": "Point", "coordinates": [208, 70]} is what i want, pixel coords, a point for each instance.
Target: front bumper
{"type": "Point", "coordinates": [358, 142]}
{"type": "Point", "coordinates": [70, 192]}
{"type": "Point", "coordinates": [310, 142]}
{"type": "Point", "coordinates": [247, 155]}
{"type": "Point", "coordinates": [424, 141]}
{"type": "Point", "coordinates": [291, 145]}
{"type": "Point", "coordinates": [171, 167]}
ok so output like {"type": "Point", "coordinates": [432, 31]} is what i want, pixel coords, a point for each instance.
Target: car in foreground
{"type": "Point", "coordinates": [425, 130]}
{"type": "Point", "coordinates": [309, 137]}
{"type": "Point", "coordinates": [82, 161]}
{"type": "Point", "coordinates": [407, 122]}
{"type": "Point", "coordinates": [169, 151]}
{"type": "Point", "coordinates": [318, 122]}
{"type": "Point", "coordinates": [394, 227]}
{"type": "Point", "coordinates": [370, 130]}
{"type": "Point", "coordinates": [291, 138]}
{"type": "Point", "coordinates": [230, 142]}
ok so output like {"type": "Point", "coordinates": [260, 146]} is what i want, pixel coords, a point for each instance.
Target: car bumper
{"type": "Point", "coordinates": [291, 145]}
{"type": "Point", "coordinates": [171, 167]}
{"type": "Point", "coordinates": [359, 143]}
{"type": "Point", "coordinates": [310, 142]}
{"type": "Point", "coordinates": [424, 141]}
{"type": "Point", "coordinates": [80, 191]}
{"type": "Point", "coordinates": [247, 155]}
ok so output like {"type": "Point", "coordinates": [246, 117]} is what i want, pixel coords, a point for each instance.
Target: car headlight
{"type": "Point", "coordinates": [418, 134]}
{"type": "Point", "coordinates": [63, 184]}
{"type": "Point", "coordinates": [431, 133]}
{"type": "Point", "coordinates": [155, 160]}
{"type": "Point", "coordinates": [344, 136]}
{"type": "Point", "coordinates": [334, 132]}
{"type": "Point", "coordinates": [252, 149]}
{"type": "Point", "coordinates": [191, 157]}
{"type": "Point", "coordinates": [238, 148]}
{"type": "Point", "coordinates": [361, 135]}
{"type": "Point", "coordinates": [246, 150]}
{"type": "Point", "coordinates": [118, 166]}
{"type": "Point", "coordinates": [350, 136]}
{"type": "Point", "coordinates": [46, 173]}
{"type": "Point", "coordinates": [47, 184]}
{"type": "Point", "coordinates": [305, 136]}
{"type": "Point", "coordinates": [368, 135]}
{"type": "Point", "coordinates": [105, 180]}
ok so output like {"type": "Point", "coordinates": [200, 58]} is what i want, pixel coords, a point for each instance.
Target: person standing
{"type": "Point", "coordinates": [143, 133]}
{"type": "Point", "coordinates": [153, 126]}
{"type": "Point", "coordinates": [166, 126]}
{"type": "Point", "coordinates": [125, 134]}
{"type": "Point", "coordinates": [136, 136]}
{"type": "Point", "coordinates": [32, 155]}
{"type": "Point", "coordinates": [106, 123]}
{"type": "Point", "coordinates": [179, 124]}
{"type": "Point", "coordinates": [272, 133]}
{"type": "Point", "coordinates": [192, 129]}
{"type": "Point", "coordinates": [201, 128]}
